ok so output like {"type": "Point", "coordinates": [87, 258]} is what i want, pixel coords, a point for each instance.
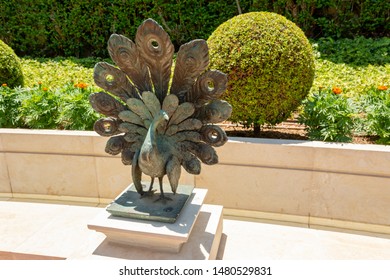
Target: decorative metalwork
{"type": "Point", "coordinates": [155, 127]}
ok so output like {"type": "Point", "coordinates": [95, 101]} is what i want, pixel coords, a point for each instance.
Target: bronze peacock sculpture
{"type": "Point", "coordinates": [159, 127]}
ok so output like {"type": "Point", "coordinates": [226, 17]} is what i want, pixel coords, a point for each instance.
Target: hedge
{"type": "Point", "coordinates": [81, 28]}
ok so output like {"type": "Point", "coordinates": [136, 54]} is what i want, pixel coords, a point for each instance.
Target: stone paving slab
{"type": "Point", "coordinates": [57, 230]}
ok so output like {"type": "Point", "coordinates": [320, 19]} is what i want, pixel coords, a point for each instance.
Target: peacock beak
{"type": "Point", "coordinates": [165, 115]}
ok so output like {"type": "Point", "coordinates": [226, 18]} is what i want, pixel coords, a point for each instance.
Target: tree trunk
{"type": "Point", "coordinates": [238, 7]}
{"type": "Point", "coordinates": [256, 130]}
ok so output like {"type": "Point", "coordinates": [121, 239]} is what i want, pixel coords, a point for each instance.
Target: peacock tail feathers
{"type": "Point", "coordinates": [138, 88]}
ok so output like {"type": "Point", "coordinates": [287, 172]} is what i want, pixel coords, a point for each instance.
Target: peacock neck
{"type": "Point", "coordinates": [152, 132]}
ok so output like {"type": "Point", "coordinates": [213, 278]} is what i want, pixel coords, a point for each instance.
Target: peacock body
{"type": "Point", "coordinates": [159, 127]}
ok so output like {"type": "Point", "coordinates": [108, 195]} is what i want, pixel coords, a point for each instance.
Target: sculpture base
{"type": "Point", "coordinates": [203, 244]}
{"type": "Point", "coordinates": [154, 235]}
{"type": "Point", "coordinates": [129, 204]}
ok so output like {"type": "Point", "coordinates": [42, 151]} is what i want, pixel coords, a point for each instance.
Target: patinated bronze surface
{"type": "Point", "coordinates": [157, 127]}
{"type": "Point", "coordinates": [127, 205]}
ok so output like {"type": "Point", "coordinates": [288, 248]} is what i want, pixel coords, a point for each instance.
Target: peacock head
{"type": "Point", "coordinates": [162, 115]}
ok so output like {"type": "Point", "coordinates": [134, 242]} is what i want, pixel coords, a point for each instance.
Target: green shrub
{"type": "Point", "coordinates": [270, 66]}
{"type": "Point", "coordinates": [10, 102]}
{"type": "Point", "coordinates": [58, 72]}
{"type": "Point", "coordinates": [356, 52]}
{"type": "Point", "coordinates": [336, 18]}
{"type": "Point", "coordinates": [81, 28]}
{"type": "Point", "coordinates": [374, 107]}
{"type": "Point", "coordinates": [10, 69]}
{"type": "Point", "coordinates": [75, 111]}
{"type": "Point", "coordinates": [39, 108]}
{"type": "Point", "coordinates": [328, 116]}
{"type": "Point", "coordinates": [353, 65]}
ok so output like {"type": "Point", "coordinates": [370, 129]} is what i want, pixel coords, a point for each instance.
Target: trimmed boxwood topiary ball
{"type": "Point", "coordinates": [10, 68]}
{"type": "Point", "coordinates": [270, 65]}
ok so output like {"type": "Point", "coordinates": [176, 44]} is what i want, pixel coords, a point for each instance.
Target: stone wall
{"type": "Point", "coordinates": [299, 179]}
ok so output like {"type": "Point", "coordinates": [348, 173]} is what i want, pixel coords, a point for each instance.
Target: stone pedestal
{"type": "Point", "coordinates": [196, 234]}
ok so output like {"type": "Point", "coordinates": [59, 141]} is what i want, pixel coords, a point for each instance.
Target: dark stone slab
{"type": "Point", "coordinates": [130, 205]}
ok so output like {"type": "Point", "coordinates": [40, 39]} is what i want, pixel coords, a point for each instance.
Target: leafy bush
{"type": "Point", "coordinates": [58, 72]}
{"type": "Point", "coordinates": [353, 65]}
{"type": "Point", "coordinates": [356, 52]}
{"type": "Point", "coordinates": [10, 70]}
{"type": "Point", "coordinates": [374, 107]}
{"type": "Point", "coordinates": [10, 102]}
{"type": "Point", "coordinates": [328, 116]}
{"type": "Point", "coordinates": [269, 63]}
{"type": "Point", "coordinates": [40, 107]}
{"type": "Point", "coordinates": [81, 28]}
{"type": "Point", "coordinates": [75, 111]}
{"type": "Point", "coordinates": [337, 18]}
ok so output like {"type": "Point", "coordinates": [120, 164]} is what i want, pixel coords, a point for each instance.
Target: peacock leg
{"type": "Point", "coordinates": [151, 184]}
{"type": "Point", "coordinates": [150, 192]}
{"type": "Point", "coordinates": [162, 197]}
{"type": "Point", "coordinates": [137, 174]}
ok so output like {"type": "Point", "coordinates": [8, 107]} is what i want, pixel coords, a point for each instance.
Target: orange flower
{"type": "Point", "coordinates": [337, 90]}
{"type": "Point", "coordinates": [382, 87]}
{"type": "Point", "coordinates": [81, 85]}
{"type": "Point", "coordinates": [39, 83]}
{"type": "Point", "coordinates": [45, 89]}
{"type": "Point", "coordinates": [4, 85]}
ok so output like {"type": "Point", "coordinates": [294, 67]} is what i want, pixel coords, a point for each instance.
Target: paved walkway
{"type": "Point", "coordinates": [35, 230]}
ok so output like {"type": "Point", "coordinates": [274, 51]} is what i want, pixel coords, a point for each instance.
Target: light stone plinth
{"type": "Point", "coordinates": [203, 243]}
{"type": "Point", "coordinates": [152, 235]}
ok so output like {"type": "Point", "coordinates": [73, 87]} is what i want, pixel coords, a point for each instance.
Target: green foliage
{"type": "Point", "coordinates": [10, 102]}
{"type": "Point", "coordinates": [359, 81]}
{"type": "Point", "coordinates": [10, 70]}
{"type": "Point", "coordinates": [269, 63]}
{"type": "Point", "coordinates": [59, 71]}
{"type": "Point", "coordinates": [39, 108]}
{"type": "Point", "coordinates": [356, 52]}
{"type": "Point", "coordinates": [55, 96]}
{"type": "Point", "coordinates": [81, 28]}
{"type": "Point", "coordinates": [374, 106]}
{"type": "Point", "coordinates": [42, 108]}
{"type": "Point", "coordinates": [75, 111]}
{"type": "Point", "coordinates": [328, 116]}
{"type": "Point", "coordinates": [368, 64]}
{"type": "Point", "coordinates": [337, 18]}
